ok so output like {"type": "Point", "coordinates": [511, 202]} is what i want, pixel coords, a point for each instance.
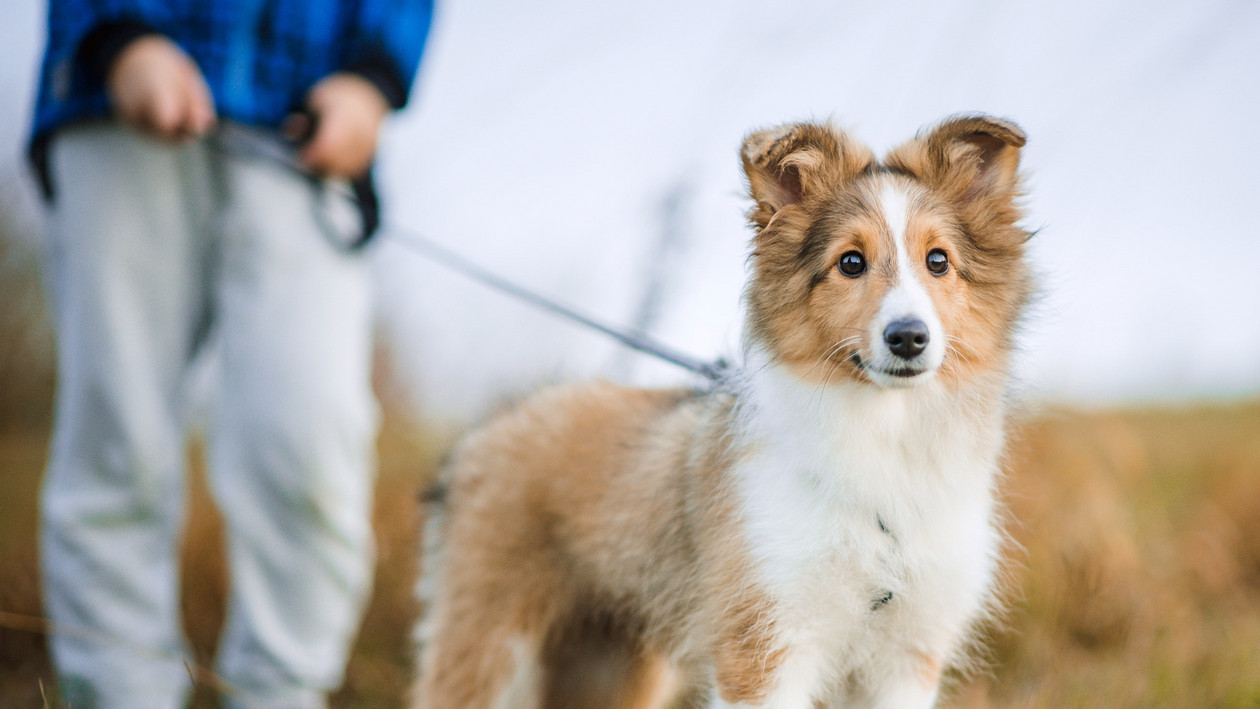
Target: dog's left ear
{"type": "Point", "coordinates": [968, 158]}
{"type": "Point", "coordinates": [797, 162]}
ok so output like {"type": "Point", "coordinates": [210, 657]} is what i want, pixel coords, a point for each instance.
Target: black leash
{"type": "Point", "coordinates": [248, 142]}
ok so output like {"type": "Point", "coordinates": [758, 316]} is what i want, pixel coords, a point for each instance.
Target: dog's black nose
{"type": "Point", "coordinates": [907, 337]}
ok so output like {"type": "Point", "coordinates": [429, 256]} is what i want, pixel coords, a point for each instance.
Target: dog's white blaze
{"type": "Point", "coordinates": [830, 467]}
{"type": "Point", "coordinates": [908, 298]}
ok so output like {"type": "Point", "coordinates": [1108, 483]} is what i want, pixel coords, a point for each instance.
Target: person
{"type": "Point", "coordinates": [161, 238]}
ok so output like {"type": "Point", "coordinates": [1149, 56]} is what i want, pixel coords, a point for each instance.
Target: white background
{"type": "Point", "coordinates": [589, 150]}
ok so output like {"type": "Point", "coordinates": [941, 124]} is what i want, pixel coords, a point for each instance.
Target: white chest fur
{"type": "Point", "coordinates": [869, 514]}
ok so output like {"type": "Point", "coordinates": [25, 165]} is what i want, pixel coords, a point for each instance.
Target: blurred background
{"type": "Point", "coordinates": [588, 150]}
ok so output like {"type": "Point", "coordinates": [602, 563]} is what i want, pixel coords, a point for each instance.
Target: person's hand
{"type": "Point", "coordinates": [155, 87]}
{"type": "Point", "coordinates": [349, 112]}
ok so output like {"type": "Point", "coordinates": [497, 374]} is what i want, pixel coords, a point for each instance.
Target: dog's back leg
{"type": "Point", "coordinates": [482, 652]}
{"type": "Point", "coordinates": [599, 665]}
{"type": "Point", "coordinates": [493, 598]}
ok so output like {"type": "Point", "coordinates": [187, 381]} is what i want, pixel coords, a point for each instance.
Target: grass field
{"type": "Point", "coordinates": [1134, 578]}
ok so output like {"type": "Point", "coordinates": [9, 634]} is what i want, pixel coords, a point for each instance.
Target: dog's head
{"type": "Point", "coordinates": [891, 272]}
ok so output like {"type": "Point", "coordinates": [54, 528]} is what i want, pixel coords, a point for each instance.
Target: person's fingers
{"type": "Point", "coordinates": [338, 149]}
{"type": "Point", "coordinates": [350, 111]}
{"type": "Point", "coordinates": [296, 128]}
{"type": "Point", "coordinates": [315, 154]}
{"type": "Point", "coordinates": [162, 113]}
{"type": "Point", "coordinates": [155, 87]}
{"type": "Point", "coordinates": [334, 150]}
{"type": "Point", "coordinates": [321, 152]}
{"type": "Point", "coordinates": [200, 116]}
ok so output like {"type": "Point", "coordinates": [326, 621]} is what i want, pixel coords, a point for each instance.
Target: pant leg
{"type": "Point", "coordinates": [126, 276]}
{"type": "Point", "coordinates": [292, 457]}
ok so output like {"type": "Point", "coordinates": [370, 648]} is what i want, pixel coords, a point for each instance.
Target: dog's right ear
{"type": "Point", "coordinates": [797, 162]}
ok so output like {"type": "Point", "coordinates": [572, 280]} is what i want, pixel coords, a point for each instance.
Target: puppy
{"type": "Point", "coordinates": [819, 530]}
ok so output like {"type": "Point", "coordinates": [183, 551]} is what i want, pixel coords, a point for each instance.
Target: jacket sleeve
{"type": "Point", "coordinates": [388, 39]}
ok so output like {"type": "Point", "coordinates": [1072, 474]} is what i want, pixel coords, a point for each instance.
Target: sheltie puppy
{"type": "Point", "coordinates": [817, 531]}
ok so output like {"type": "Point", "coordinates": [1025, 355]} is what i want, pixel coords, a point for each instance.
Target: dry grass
{"type": "Point", "coordinates": [26, 341]}
{"type": "Point", "coordinates": [1138, 582]}
{"type": "Point", "coordinates": [379, 671]}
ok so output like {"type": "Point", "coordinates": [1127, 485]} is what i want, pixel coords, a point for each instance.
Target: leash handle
{"type": "Point", "coordinates": [300, 126]}
{"type": "Point", "coordinates": [281, 149]}
{"type": "Point", "coordinates": [299, 129]}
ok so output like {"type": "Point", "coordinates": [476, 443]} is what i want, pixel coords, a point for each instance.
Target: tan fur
{"type": "Point", "coordinates": [929, 670]}
{"type": "Point", "coordinates": [967, 184]}
{"type": "Point", "coordinates": [578, 506]}
{"type": "Point", "coordinates": [599, 516]}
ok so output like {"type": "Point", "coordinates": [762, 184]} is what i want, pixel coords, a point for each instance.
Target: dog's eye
{"type": "Point", "coordinates": [937, 262]}
{"type": "Point", "coordinates": [852, 264]}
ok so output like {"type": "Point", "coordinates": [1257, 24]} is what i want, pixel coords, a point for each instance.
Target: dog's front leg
{"type": "Point", "coordinates": [908, 683]}
{"type": "Point", "coordinates": [782, 679]}
{"type": "Point", "coordinates": [903, 695]}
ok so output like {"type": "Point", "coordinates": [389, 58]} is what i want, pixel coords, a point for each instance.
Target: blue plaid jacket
{"type": "Point", "coordinates": [260, 57]}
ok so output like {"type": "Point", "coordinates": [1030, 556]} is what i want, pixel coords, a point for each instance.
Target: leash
{"type": "Point", "coordinates": [635, 340]}
{"type": "Point", "coordinates": [241, 141]}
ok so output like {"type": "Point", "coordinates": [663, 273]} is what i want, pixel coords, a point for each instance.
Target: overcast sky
{"type": "Point", "coordinates": [589, 149]}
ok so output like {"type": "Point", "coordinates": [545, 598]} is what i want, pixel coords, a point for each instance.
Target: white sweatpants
{"type": "Point", "coordinates": [154, 246]}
